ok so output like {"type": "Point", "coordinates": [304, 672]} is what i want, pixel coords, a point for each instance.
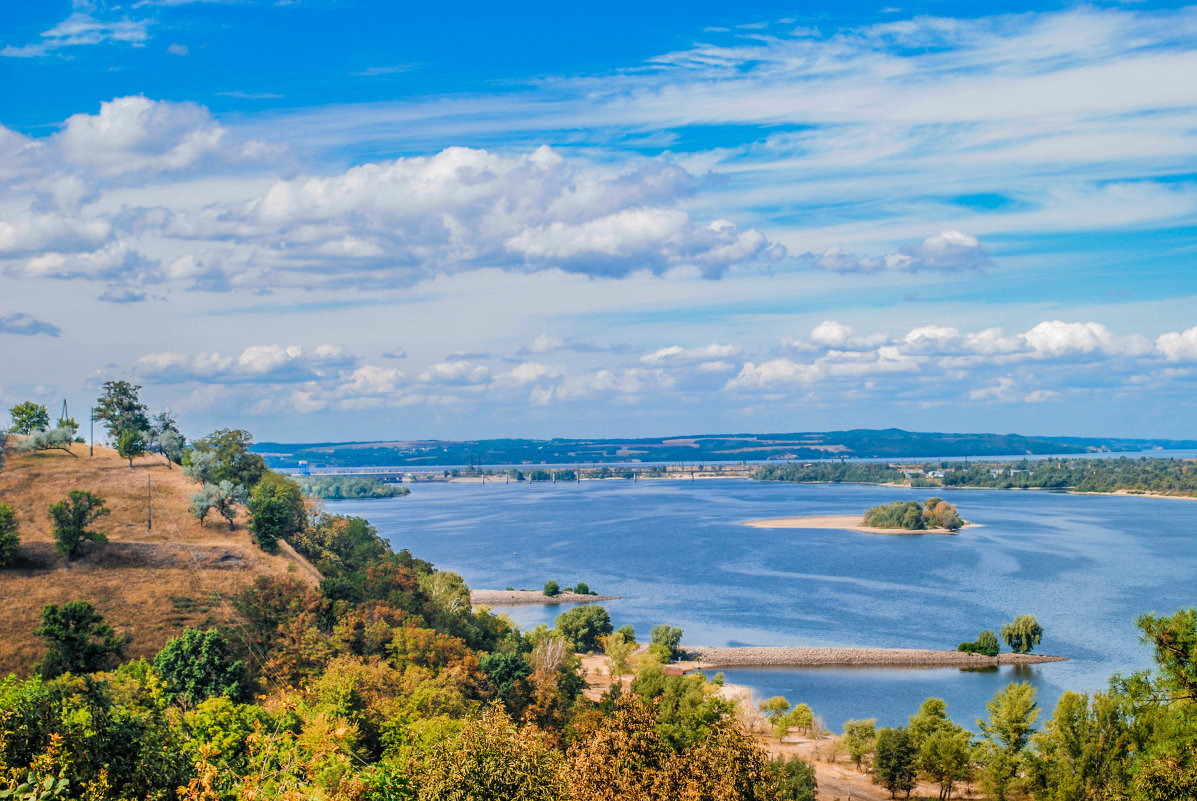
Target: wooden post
{"type": "Point", "coordinates": [149, 504]}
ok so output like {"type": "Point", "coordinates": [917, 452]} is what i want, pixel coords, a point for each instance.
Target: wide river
{"type": "Point", "coordinates": [677, 552]}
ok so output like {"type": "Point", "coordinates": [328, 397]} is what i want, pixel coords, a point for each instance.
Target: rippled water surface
{"type": "Point", "coordinates": [677, 552]}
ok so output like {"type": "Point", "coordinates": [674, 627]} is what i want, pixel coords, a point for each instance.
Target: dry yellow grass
{"type": "Point", "coordinates": [152, 583]}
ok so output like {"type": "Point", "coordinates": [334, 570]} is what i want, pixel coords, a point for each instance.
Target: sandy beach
{"type": "Point", "coordinates": [779, 656]}
{"type": "Point", "coordinates": [842, 522]}
{"type": "Point", "coordinates": [519, 597]}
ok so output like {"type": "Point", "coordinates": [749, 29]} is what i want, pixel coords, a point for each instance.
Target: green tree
{"type": "Point", "coordinates": [507, 673]}
{"type": "Point", "coordinates": [130, 443]}
{"type": "Point", "coordinates": [10, 534]}
{"type": "Point", "coordinates": [894, 759]}
{"type": "Point", "coordinates": [1012, 714]}
{"type": "Point", "coordinates": [582, 588]}
{"type": "Point", "coordinates": [223, 497]}
{"type": "Point", "coordinates": [120, 408]}
{"type": "Point", "coordinates": [276, 510]}
{"type": "Point", "coordinates": [859, 738]}
{"type": "Point", "coordinates": [197, 666]}
{"type": "Point", "coordinates": [77, 640]}
{"type": "Point", "coordinates": [795, 779]}
{"type": "Point", "coordinates": [946, 757]}
{"type": "Point", "coordinates": [583, 625]}
{"type": "Point", "coordinates": [552, 589]}
{"type": "Point", "coordinates": [668, 641]}
{"type": "Point", "coordinates": [1023, 634]}
{"type": "Point", "coordinates": [777, 709]}
{"type": "Point", "coordinates": [28, 417]}
{"type": "Point", "coordinates": [232, 460]}
{"type": "Point", "coordinates": [71, 519]}
{"type": "Point", "coordinates": [619, 651]}
{"type": "Point", "coordinates": [1084, 751]}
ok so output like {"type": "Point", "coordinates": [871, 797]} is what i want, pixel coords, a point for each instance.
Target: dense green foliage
{"type": "Point", "coordinates": [894, 761]}
{"type": "Point", "coordinates": [276, 511]}
{"type": "Point", "coordinates": [552, 589]}
{"type": "Point", "coordinates": [28, 417]}
{"type": "Point", "coordinates": [339, 488]}
{"type": "Point", "coordinates": [10, 535]}
{"type": "Point", "coordinates": [795, 779]}
{"type": "Point", "coordinates": [859, 738]}
{"type": "Point", "coordinates": [197, 666]}
{"type": "Point", "coordinates": [914, 516]}
{"type": "Point", "coordinates": [583, 625]}
{"type": "Point", "coordinates": [71, 519]}
{"type": "Point", "coordinates": [77, 640]}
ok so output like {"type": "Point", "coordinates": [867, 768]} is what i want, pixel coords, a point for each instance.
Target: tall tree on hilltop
{"type": "Point", "coordinates": [121, 409]}
{"type": "Point", "coordinates": [29, 417]}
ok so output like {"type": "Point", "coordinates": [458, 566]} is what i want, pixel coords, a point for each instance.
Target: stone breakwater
{"type": "Point", "coordinates": [516, 597]}
{"type": "Point", "coordinates": [775, 656]}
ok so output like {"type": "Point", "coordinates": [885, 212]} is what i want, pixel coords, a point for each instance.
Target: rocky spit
{"type": "Point", "coordinates": [774, 656]}
{"type": "Point", "coordinates": [514, 597]}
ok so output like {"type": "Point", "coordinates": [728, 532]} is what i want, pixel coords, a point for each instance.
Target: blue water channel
{"type": "Point", "coordinates": [677, 552]}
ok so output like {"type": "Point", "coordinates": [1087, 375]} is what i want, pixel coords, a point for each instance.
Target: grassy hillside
{"type": "Point", "coordinates": [151, 584]}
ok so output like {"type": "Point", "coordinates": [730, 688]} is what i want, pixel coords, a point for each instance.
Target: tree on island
{"type": "Point", "coordinates": [914, 516]}
{"type": "Point", "coordinates": [1023, 634]}
{"type": "Point", "coordinates": [29, 417]}
{"type": "Point", "coordinates": [986, 644]}
{"type": "Point", "coordinates": [552, 589]}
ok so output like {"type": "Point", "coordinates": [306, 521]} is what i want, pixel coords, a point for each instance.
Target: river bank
{"type": "Point", "coordinates": [523, 597]}
{"type": "Point", "coordinates": [703, 658]}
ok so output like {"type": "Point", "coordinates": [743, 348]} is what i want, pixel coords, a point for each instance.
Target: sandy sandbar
{"type": "Point", "coordinates": [842, 522]}
{"type": "Point", "coordinates": [518, 597]}
{"type": "Point", "coordinates": [780, 656]}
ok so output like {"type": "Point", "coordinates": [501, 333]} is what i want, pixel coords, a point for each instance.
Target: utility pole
{"type": "Point", "coordinates": [91, 440]}
{"type": "Point", "coordinates": [149, 504]}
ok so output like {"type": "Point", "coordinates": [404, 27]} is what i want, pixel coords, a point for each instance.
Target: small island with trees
{"type": "Point", "coordinates": [935, 516]}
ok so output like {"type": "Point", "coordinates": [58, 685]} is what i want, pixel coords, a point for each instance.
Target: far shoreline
{"type": "Point", "coordinates": [845, 523]}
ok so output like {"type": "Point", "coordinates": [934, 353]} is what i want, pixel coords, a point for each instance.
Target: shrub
{"type": "Point", "coordinates": [71, 519]}
{"type": "Point", "coordinates": [196, 666]}
{"type": "Point", "coordinates": [10, 535]}
{"type": "Point", "coordinates": [77, 640]}
{"type": "Point", "coordinates": [986, 644]}
{"type": "Point", "coordinates": [552, 589]}
{"type": "Point", "coordinates": [582, 588]}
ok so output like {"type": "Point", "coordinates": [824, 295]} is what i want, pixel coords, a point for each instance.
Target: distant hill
{"type": "Point", "coordinates": [150, 584]}
{"type": "Point", "coordinates": [890, 443]}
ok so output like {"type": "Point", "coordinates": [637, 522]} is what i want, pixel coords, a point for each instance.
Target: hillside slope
{"type": "Point", "coordinates": [151, 584]}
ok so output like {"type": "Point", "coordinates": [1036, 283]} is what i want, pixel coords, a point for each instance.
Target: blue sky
{"type": "Point", "coordinates": [358, 220]}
